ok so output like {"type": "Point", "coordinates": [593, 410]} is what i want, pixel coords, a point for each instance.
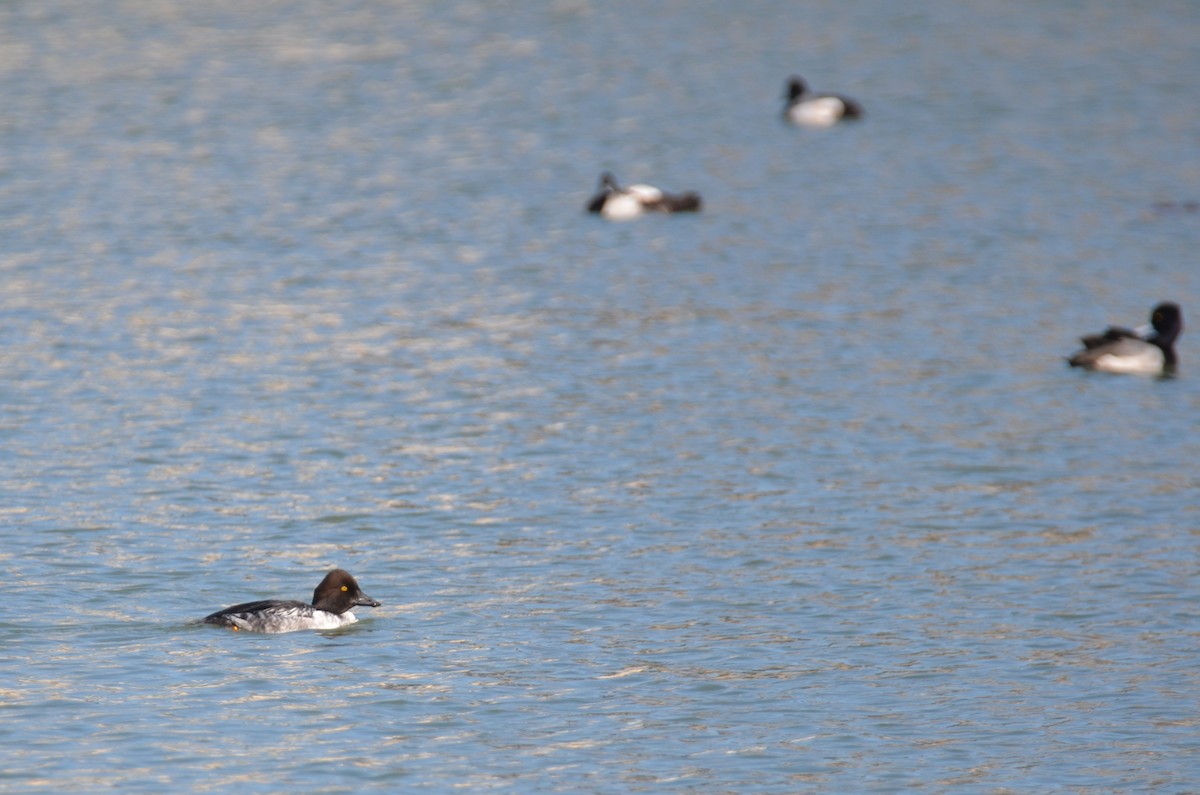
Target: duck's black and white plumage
{"type": "Point", "coordinates": [1122, 350]}
{"type": "Point", "coordinates": [330, 609]}
{"type": "Point", "coordinates": [617, 203]}
{"type": "Point", "coordinates": [817, 110]}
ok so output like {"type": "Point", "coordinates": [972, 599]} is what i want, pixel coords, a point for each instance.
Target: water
{"type": "Point", "coordinates": [795, 495]}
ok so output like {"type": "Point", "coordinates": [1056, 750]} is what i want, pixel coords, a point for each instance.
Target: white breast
{"type": "Point", "coordinates": [1147, 361]}
{"type": "Point", "coordinates": [817, 112]}
{"type": "Point", "coordinates": [324, 620]}
{"type": "Point", "coordinates": [621, 207]}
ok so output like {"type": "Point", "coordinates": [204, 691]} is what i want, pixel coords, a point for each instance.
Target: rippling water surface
{"type": "Point", "coordinates": [793, 495]}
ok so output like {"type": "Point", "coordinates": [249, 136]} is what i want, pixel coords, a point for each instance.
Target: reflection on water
{"type": "Point", "coordinates": [794, 494]}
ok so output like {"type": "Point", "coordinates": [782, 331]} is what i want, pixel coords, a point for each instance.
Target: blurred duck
{"type": "Point", "coordinates": [617, 203]}
{"type": "Point", "coordinates": [817, 110]}
{"type": "Point", "coordinates": [1121, 350]}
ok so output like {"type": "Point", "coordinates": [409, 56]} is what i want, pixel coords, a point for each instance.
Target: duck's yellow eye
{"type": "Point", "coordinates": [344, 589]}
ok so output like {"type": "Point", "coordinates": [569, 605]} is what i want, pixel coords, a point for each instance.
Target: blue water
{"type": "Point", "coordinates": [793, 495]}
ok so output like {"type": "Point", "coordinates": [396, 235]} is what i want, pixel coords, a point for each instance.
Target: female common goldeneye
{"type": "Point", "coordinates": [617, 203]}
{"type": "Point", "coordinates": [817, 110]}
{"type": "Point", "coordinates": [1122, 350]}
{"type": "Point", "coordinates": [330, 609]}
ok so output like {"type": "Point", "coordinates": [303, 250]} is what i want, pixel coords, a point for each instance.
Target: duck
{"type": "Point", "coordinates": [330, 609]}
{"type": "Point", "coordinates": [616, 203]}
{"type": "Point", "coordinates": [1122, 350]}
{"type": "Point", "coordinates": [807, 109]}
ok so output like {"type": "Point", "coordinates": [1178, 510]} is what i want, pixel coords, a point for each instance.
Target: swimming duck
{"type": "Point", "coordinates": [1122, 350]}
{"type": "Point", "coordinates": [617, 203]}
{"type": "Point", "coordinates": [817, 110]}
{"type": "Point", "coordinates": [330, 609]}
